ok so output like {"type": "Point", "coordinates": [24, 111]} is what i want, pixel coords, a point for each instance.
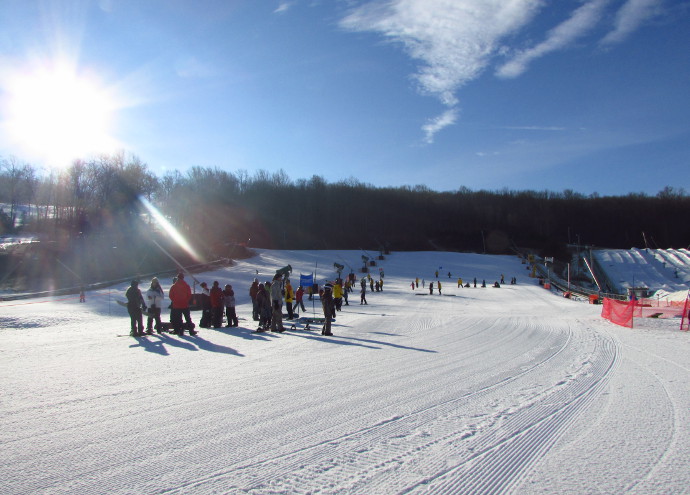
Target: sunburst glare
{"type": "Point", "coordinates": [169, 228]}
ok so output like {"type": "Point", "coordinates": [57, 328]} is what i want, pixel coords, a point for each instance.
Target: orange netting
{"type": "Point", "coordinates": [623, 312]}
{"type": "Point", "coordinates": [618, 312]}
{"type": "Point", "coordinates": [685, 323]}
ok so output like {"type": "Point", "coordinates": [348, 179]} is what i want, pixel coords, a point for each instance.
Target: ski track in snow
{"type": "Point", "coordinates": [477, 391]}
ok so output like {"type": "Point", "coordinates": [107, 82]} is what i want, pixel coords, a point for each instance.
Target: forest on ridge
{"type": "Point", "coordinates": [94, 206]}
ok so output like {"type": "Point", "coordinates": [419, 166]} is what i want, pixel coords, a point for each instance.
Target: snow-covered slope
{"type": "Point", "coordinates": [474, 391]}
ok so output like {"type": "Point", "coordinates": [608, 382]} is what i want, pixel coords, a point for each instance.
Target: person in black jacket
{"type": "Point", "coordinates": [328, 308]}
{"type": "Point", "coordinates": [135, 304]}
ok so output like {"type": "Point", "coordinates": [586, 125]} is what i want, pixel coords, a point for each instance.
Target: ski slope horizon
{"type": "Point", "coordinates": [503, 390]}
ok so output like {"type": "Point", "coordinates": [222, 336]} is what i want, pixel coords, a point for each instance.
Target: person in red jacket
{"type": "Point", "coordinates": [216, 295]}
{"type": "Point", "coordinates": [180, 293]}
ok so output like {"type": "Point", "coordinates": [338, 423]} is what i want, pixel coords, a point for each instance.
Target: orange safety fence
{"type": "Point", "coordinates": [659, 303]}
{"type": "Point", "coordinates": [618, 312]}
{"type": "Point", "coordinates": [684, 322]}
{"type": "Point", "coordinates": [623, 312]}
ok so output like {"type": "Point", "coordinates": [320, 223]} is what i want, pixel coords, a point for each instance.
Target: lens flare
{"type": "Point", "coordinates": [169, 228]}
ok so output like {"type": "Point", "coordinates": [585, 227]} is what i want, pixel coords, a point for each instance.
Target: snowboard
{"type": "Point", "coordinates": [167, 326]}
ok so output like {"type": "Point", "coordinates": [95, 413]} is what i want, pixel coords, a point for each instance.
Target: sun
{"type": "Point", "coordinates": [55, 114]}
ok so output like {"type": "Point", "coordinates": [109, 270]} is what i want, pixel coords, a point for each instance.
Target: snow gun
{"type": "Point", "coordinates": [285, 271]}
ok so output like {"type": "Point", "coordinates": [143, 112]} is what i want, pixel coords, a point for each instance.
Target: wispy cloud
{"type": "Point", "coordinates": [437, 123]}
{"type": "Point", "coordinates": [630, 17]}
{"type": "Point", "coordinates": [454, 40]}
{"type": "Point", "coordinates": [283, 7]}
{"type": "Point", "coordinates": [582, 20]}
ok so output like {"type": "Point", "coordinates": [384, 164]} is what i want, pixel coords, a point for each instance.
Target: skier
{"type": "Point", "coordinates": [439, 287]}
{"type": "Point", "coordinates": [431, 287]}
{"type": "Point", "coordinates": [135, 304]}
{"type": "Point", "coordinates": [328, 309]}
{"type": "Point", "coordinates": [363, 293]}
{"type": "Point", "coordinates": [154, 296]}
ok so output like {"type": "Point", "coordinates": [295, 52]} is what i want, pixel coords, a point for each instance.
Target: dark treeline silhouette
{"type": "Point", "coordinates": [216, 210]}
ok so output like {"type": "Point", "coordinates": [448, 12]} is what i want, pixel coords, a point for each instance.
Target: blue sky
{"type": "Point", "coordinates": [589, 95]}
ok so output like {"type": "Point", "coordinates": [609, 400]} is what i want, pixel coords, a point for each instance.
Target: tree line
{"type": "Point", "coordinates": [216, 210]}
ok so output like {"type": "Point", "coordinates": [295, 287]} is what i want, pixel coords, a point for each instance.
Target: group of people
{"type": "Point", "coordinates": [267, 302]}
{"type": "Point", "coordinates": [437, 284]}
{"type": "Point", "coordinates": [214, 303]}
{"type": "Point", "coordinates": [180, 295]}
{"type": "Point", "coordinates": [267, 299]}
